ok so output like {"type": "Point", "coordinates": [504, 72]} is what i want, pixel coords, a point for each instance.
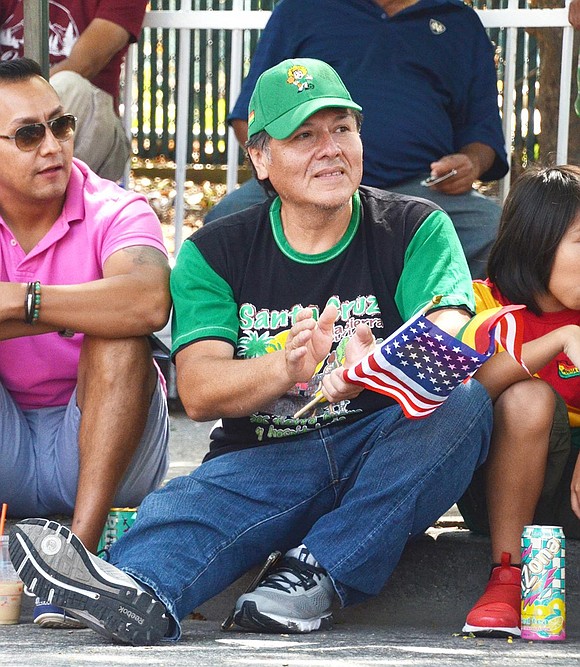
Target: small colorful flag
{"type": "Point", "coordinates": [419, 365]}
{"type": "Point", "coordinates": [500, 323]}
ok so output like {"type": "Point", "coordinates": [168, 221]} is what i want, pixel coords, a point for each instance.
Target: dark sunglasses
{"type": "Point", "coordinates": [29, 137]}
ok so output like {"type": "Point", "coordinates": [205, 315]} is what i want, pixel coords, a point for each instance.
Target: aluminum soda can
{"type": "Point", "coordinates": [119, 520]}
{"type": "Point", "coordinates": [543, 583]}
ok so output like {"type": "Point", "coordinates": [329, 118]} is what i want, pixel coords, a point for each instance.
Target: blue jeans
{"type": "Point", "coordinates": [354, 494]}
{"type": "Point", "coordinates": [475, 217]}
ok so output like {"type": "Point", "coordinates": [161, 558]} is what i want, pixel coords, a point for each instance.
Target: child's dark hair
{"type": "Point", "coordinates": [541, 205]}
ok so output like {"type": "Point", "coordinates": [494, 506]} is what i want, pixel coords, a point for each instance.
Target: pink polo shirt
{"type": "Point", "coordinates": [98, 218]}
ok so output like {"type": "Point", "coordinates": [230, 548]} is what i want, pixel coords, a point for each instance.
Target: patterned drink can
{"type": "Point", "coordinates": [543, 583]}
{"type": "Point", "coordinates": [119, 520]}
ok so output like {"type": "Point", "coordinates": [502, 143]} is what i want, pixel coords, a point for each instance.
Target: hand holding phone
{"type": "Point", "coordinates": [433, 180]}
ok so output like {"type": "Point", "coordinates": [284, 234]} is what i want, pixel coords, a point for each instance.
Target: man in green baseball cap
{"type": "Point", "coordinates": [270, 305]}
{"type": "Point", "coordinates": [300, 106]}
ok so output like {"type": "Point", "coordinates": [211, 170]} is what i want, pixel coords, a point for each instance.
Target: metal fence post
{"type": "Point", "coordinates": [36, 33]}
{"type": "Point", "coordinates": [565, 89]}
{"type": "Point", "coordinates": [128, 104]}
{"type": "Point", "coordinates": [182, 144]}
{"type": "Point", "coordinates": [509, 84]}
{"type": "Point", "coordinates": [235, 85]}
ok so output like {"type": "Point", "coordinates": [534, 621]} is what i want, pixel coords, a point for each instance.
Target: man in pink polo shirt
{"type": "Point", "coordinates": [83, 281]}
{"type": "Point", "coordinates": [87, 42]}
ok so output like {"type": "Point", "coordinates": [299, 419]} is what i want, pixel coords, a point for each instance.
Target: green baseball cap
{"type": "Point", "coordinates": [290, 92]}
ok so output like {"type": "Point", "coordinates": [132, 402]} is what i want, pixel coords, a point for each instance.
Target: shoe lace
{"type": "Point", "coordinates": [292, 573]}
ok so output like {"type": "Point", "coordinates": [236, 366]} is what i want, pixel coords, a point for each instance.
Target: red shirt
{"type": "Point", "coordinates": [67, 20]}
{"type": "Point", "coordinates": [560, 373]}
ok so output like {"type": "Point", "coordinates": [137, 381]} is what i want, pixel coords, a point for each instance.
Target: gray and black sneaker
{"type": "Point", "coordinates": [295, 596]}
{"type": "Point", "coordinates": [54, 564]}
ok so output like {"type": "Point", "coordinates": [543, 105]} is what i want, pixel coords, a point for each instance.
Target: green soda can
{"type": "Point", "coordinates": [543, 583]}
{"type": "Point", "coordinates": [119, 520]}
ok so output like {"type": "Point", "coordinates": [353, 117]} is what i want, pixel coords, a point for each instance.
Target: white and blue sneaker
{"type": "Point", "coordinates": [48, 615]}
{"type": "Point", "coordinates": [54, 565]}
{"type": "Point", "coordinates": [295, 596]}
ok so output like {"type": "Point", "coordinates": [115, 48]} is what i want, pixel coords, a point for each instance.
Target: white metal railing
{"type": "Point", "coordinates": [237, 20]}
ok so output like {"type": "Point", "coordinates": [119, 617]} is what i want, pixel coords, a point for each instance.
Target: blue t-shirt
{"type": "Point", "coordinates": [425, 78]}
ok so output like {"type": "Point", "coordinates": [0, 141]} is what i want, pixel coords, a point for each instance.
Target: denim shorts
{"type": "Point", "coordinates": [39, 457]}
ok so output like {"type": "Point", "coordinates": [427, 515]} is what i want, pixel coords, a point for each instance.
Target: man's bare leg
{"type": "Point", "coordinates": [115, 385]}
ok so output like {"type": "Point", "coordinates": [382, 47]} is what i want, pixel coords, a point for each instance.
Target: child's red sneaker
{"type": "Point", "coordinates": [497, 613]}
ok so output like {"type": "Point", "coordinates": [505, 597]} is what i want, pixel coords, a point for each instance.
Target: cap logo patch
{"type": "Point", "coordinates": [251, 117]}
{"type": "Point", "coordinates": [437, 28]}
{"type": "Point", "coordinates": [298, 76]}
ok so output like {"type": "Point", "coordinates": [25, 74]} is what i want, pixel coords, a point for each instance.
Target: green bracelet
{"type": "Point", "coordinates": [36, 302]}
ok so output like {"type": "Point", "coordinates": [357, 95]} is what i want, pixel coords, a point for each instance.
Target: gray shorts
{"type": "Point", "coordinates": [39, 457]}
{"type": "Point", "coordinates": [554, 506]}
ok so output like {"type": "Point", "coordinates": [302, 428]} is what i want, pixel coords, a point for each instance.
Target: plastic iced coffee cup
{"type": "Point", "coordinates": [10, 587]}
{"type": "Point", "coordinates": [10, 602]}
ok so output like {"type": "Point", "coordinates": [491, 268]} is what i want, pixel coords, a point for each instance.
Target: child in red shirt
{"type": "Point", "coordinates": [531, 473]}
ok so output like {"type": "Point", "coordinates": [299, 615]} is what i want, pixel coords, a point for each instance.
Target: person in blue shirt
{"type": "Point", "coordinates": [424, 73]}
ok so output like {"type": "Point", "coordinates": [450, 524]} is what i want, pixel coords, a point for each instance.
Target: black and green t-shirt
{"type": "Point", "coordinates": [240, 281]}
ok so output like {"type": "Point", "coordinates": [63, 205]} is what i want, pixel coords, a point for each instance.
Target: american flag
{"type": "Point", "coordinates": [419, 365]}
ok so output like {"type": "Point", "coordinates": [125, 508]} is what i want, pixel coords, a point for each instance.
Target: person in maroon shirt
{"type": "Point", "coordinates": [88, 40]}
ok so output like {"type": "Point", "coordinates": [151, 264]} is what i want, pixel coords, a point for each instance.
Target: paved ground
{"type": "Point", "coordinates": [415, 620]}
{"type": "Point", "coordinates": [345, 646]}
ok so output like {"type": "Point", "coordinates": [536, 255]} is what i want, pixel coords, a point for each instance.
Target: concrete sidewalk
{"type": "Point", "coordinates": [416, 620]}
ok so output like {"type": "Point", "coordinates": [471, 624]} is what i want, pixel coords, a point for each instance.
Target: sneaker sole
{"type": "Point", "coordinates": [249, 618]}
{"type": "Point", "coordinates": [56, 567]}
{"type": "Point", "coordinates": [480, 631]}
